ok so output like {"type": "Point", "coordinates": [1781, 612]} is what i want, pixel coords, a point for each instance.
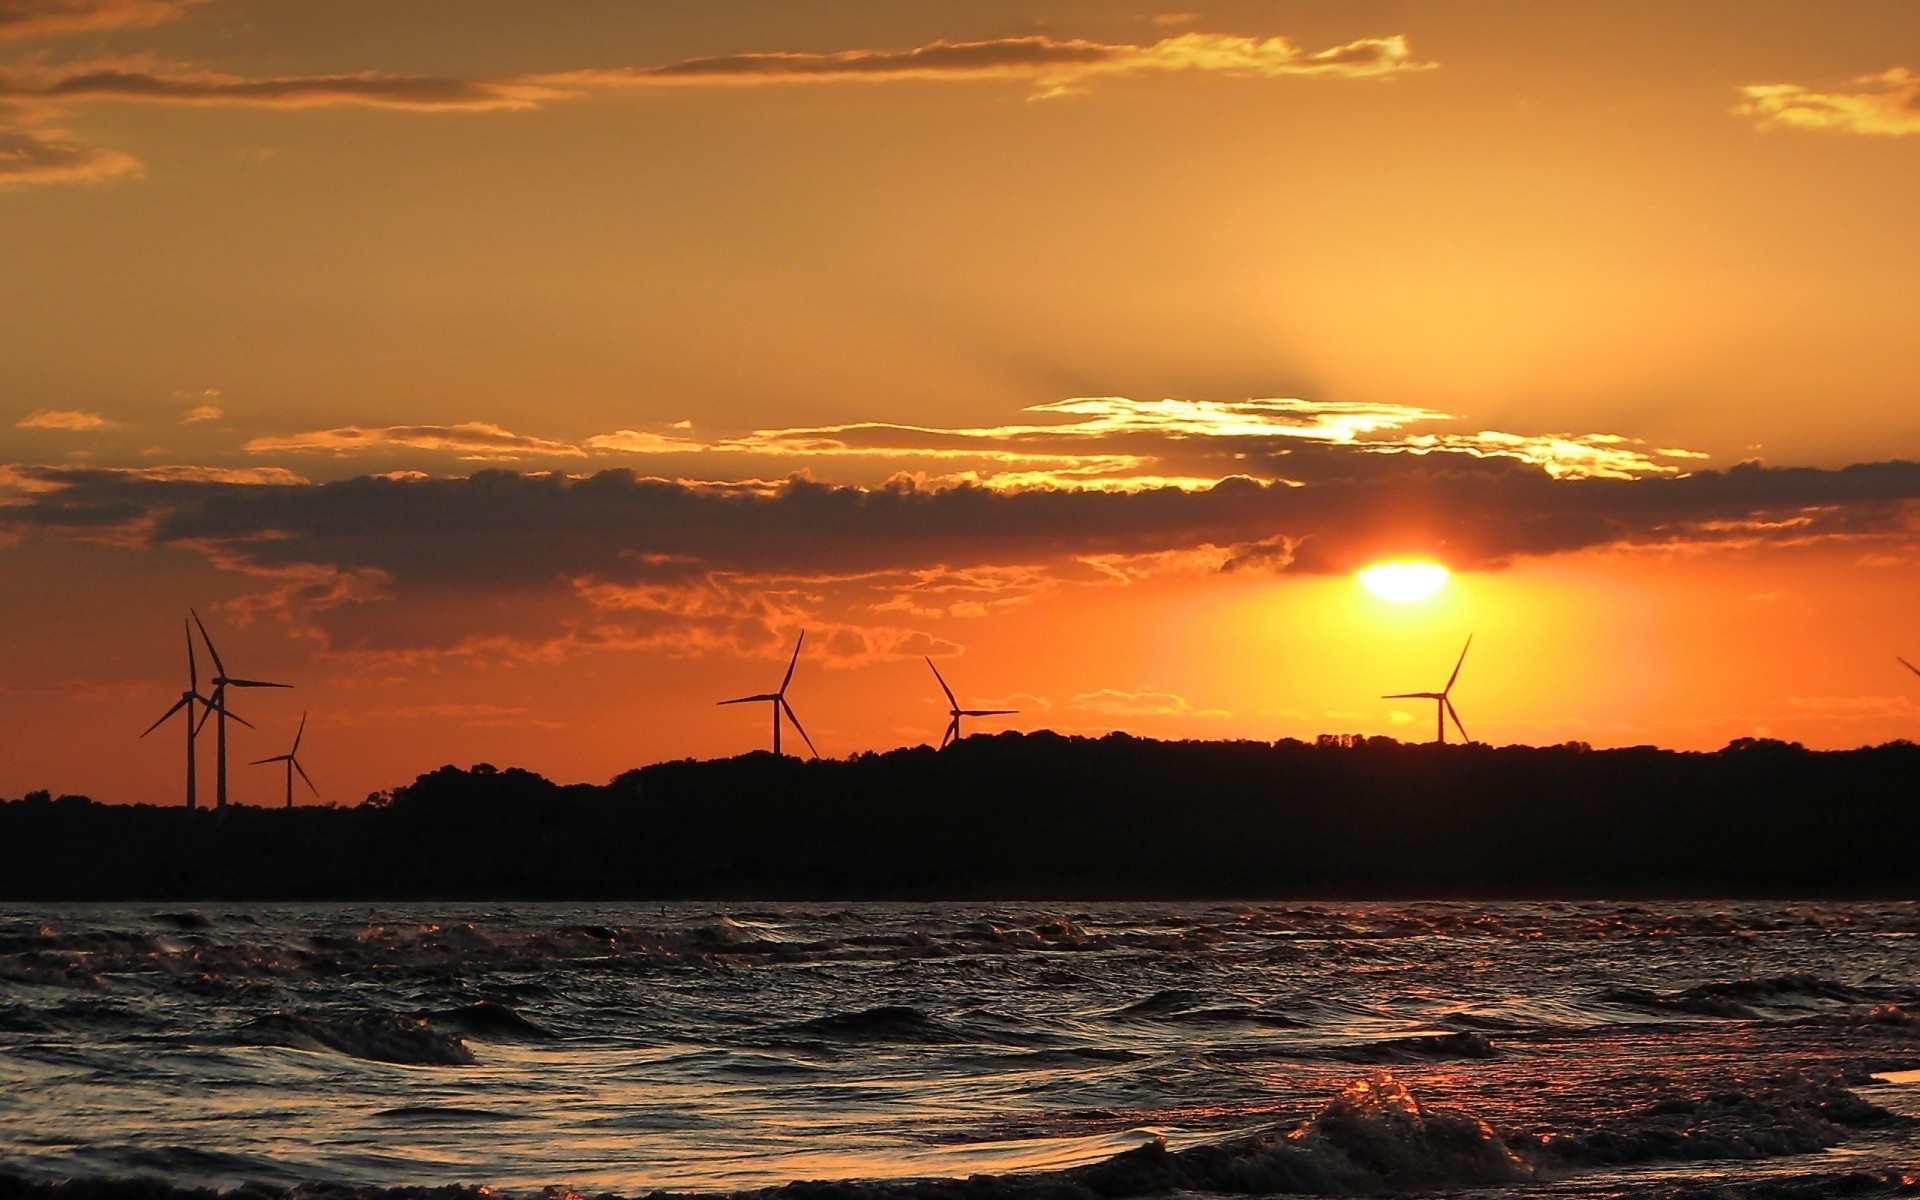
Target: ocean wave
{"type": "Point", "coordinates": [1741, 999]}
{"type": "Point", "coordinates": [883, 1023]}
{"type": "Point", "coordinates": [488, 1021]}
{"type": "Point", "coordinates": [374, 1036]}
{"type": "Point", "coordinates": [1437, 1047]}
{"type": "Point", "coordinates": [1373, 1138]}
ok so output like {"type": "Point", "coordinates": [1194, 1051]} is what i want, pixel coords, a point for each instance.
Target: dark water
{"type": "Point", "coordinates": [1601, 1049]}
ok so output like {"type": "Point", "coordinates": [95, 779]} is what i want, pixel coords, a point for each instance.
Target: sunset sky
{"type": "Point", "coordinates": [519, 380]}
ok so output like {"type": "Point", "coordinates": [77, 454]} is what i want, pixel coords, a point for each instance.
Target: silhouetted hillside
{"type": "Point", "coordinates": [1039, 815]}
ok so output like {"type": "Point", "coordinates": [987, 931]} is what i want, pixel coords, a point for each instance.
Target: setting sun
{"type": "Point", "coordinates": [1403, 582]}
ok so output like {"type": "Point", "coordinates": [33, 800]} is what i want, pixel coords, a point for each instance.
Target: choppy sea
{"type": "Point", "coordinates": [1520, 1049]}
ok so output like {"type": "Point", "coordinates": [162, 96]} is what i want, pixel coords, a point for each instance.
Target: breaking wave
{"type": "Point", "coordinates": [1374, 1138]}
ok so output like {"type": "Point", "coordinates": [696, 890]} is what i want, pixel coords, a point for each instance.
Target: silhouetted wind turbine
{"type": "Point", "coordinates": [956, 712]}
{"type": "Point", "coordinates": [217, 707]}
{"type": "Point", "coordinates": [1443, 707]}
{"type": "Point", "coordinates": [187, 700]}
{"type": "Point", "coordinates": [293, 762]}
{"type": "Point", "coordinates": [779, 701]}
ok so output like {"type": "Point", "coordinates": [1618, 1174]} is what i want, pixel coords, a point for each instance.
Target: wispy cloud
{"type": "Point", "coordinates": [202, 412]}
{"type": "Point", "coordinates": [51, 418]}
{"type": "Point", "coordinates": [35, 90]}
{"type": "Point", "coordinates": [1107, 442]}
{"type": "Point", "coordinates": [1883, 105]}
{"type": "Point", "coordinates": [40, 18]}
{"type": "Point", "coordinates": [1053, 64]}
{"type": "Point", "coordinates": [373, 90]}
{"type": "Point", "coordinates": [29, 158]}
{"type": "Point", "coordinates": [1113, 702]}
{"type": "Point", "coordinates": [469, 440]}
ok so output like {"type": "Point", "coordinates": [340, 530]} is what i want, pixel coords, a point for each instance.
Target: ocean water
{"type": "Point", "coordinates": [1536, 1048]}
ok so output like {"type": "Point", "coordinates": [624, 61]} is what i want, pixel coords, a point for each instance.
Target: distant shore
{"type": "Point", "coordinates": [1038, 816]}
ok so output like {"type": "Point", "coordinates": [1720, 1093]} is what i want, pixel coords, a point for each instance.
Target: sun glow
{"type": "Point", "coordinates": [1403, 582]}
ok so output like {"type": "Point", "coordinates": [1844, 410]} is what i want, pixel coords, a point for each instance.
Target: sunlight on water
{"type": "Point", "coordinates": [632, 1048]}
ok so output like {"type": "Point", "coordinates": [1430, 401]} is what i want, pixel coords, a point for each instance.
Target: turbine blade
{"type": "Point", "coordinates": [256, 683]}
{"type": "Point", "coordinates": [1458, 665]}
{"type": "Point", "coordinates": [218, 666]}
{"type": "Point", "coordinates": [792, 663]}
{"type": "Point", "coordinates": [1412, 696]}
{"type": "Point", "coordinates": [276, 758]}
{"type": "Point", "coordinates": [303, 773]}
{"type": "Point", "coordinates": [988, 712]}
{"type": "Point", "coordinates": [943, 684]}
{"type": "Point", "coordinates": [1909, 666]}
{"type": "Point", "coordinates": [206, 713]}
{"type": "Point", "coordinates": [193, 660]}
{"type": "Point", "coordinates": [1464, 736]}
{"type": "Point", "coordinates": [177, 706]}
{"type": "Point", "coordinates": [298, 734]}
{"type": "Point", "coordinates": [749, 699]}
{"type": "Point", "coordinates": [953, 732]}
{"type": "Point", "coordinates": [234, 716]}
{"type": "Point", "coordinates": [796, 724]}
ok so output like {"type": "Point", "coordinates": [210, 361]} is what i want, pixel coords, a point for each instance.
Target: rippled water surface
{"type": "Point", "coordinates": [635, 1047]}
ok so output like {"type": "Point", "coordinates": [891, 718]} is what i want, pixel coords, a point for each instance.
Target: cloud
{"type": "Point", "coordinates": [416, 93]}
{"type": "Point", "coordinates": [469, 440]}
{"type": "Point", "coordinates": [1053, 64]}
{"type": "Point", "coordinates": [40, 18]}
{"type": "Point", "coordinates": [632, 441]}
{"type": "Point", "coordinates": [1883, 105]}
{"type": "Point", "coordinates": [27, 158]}
{"type": "Point", "coordinates": [47, 418]}
{"type": "Point", "coordinates": [202, 412]}
{"type": "Point", "coordinates": [1147, 703]}
{"type": "Point", "coordinates": [31, 91]}
{"type": "Point", "coordinates": [549, 565]}
{"type": "Point", "coordinates": [1108, 442]}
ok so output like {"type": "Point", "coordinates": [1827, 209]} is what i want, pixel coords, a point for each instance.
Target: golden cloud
{"type": "Point", "coordinates": [368, 89]}
{"type": "Point", "coordinates": [469, 440]}
{"type": "Point", "coordinates": [47, 418]}
{"type": "Point", "coordinates": [1883, 105]}
{"type": "Point", "coordinates": [1056, 65]}
{"type": "Point", "coordinates": [1105, 443]}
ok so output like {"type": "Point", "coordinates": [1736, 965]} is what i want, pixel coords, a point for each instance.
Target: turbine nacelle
{"type": "Point", "coordinates": [1442, 700]}
{"type": "Point", "coordinates": [293, 762]}
{"type": "Point", "coordinates": [217, 707]}
{"type": "Point", "coordinates": [956, 712]}
{"type": "Point", "coordinates": [779, 701]}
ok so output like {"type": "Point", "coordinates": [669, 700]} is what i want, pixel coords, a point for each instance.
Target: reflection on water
{"type": "Point", "coordinates": [636, 1047]}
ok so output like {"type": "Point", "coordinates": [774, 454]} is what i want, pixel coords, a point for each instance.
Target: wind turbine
{"type": "Point", "coordinates": [187, 700]}
{"type": "Point", "coordinates": [217, 707]}
{"type": "Point", "coordinates": [1443, 707]}
{"type": "Point", "coordinates": [293, 762]}
{"type": "Point", "coordinates": [956, 712]}
{"type": "Point", "coordinates": [779, 701]}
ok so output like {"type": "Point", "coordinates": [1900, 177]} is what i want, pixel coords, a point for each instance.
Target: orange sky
{"type": "Point", "coordinates": [451, 358]}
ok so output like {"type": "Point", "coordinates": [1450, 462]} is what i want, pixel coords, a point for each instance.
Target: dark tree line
{"type": "Point", "coordinates": [1041, 816]}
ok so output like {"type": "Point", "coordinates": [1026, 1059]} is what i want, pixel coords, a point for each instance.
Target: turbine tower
{"type": "Point", "coordinates": [187, 700]}
{"type": "Point", "coordinates": [1443, 707]}
{"type": "Point", "coordinates": [779, 701]}
{"type": "Point", "coordinates": [956, 712]}
{"type": "Point", "coordinates": [217, 708]}
{"type": "Point", "coordinates": [293, 762]}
